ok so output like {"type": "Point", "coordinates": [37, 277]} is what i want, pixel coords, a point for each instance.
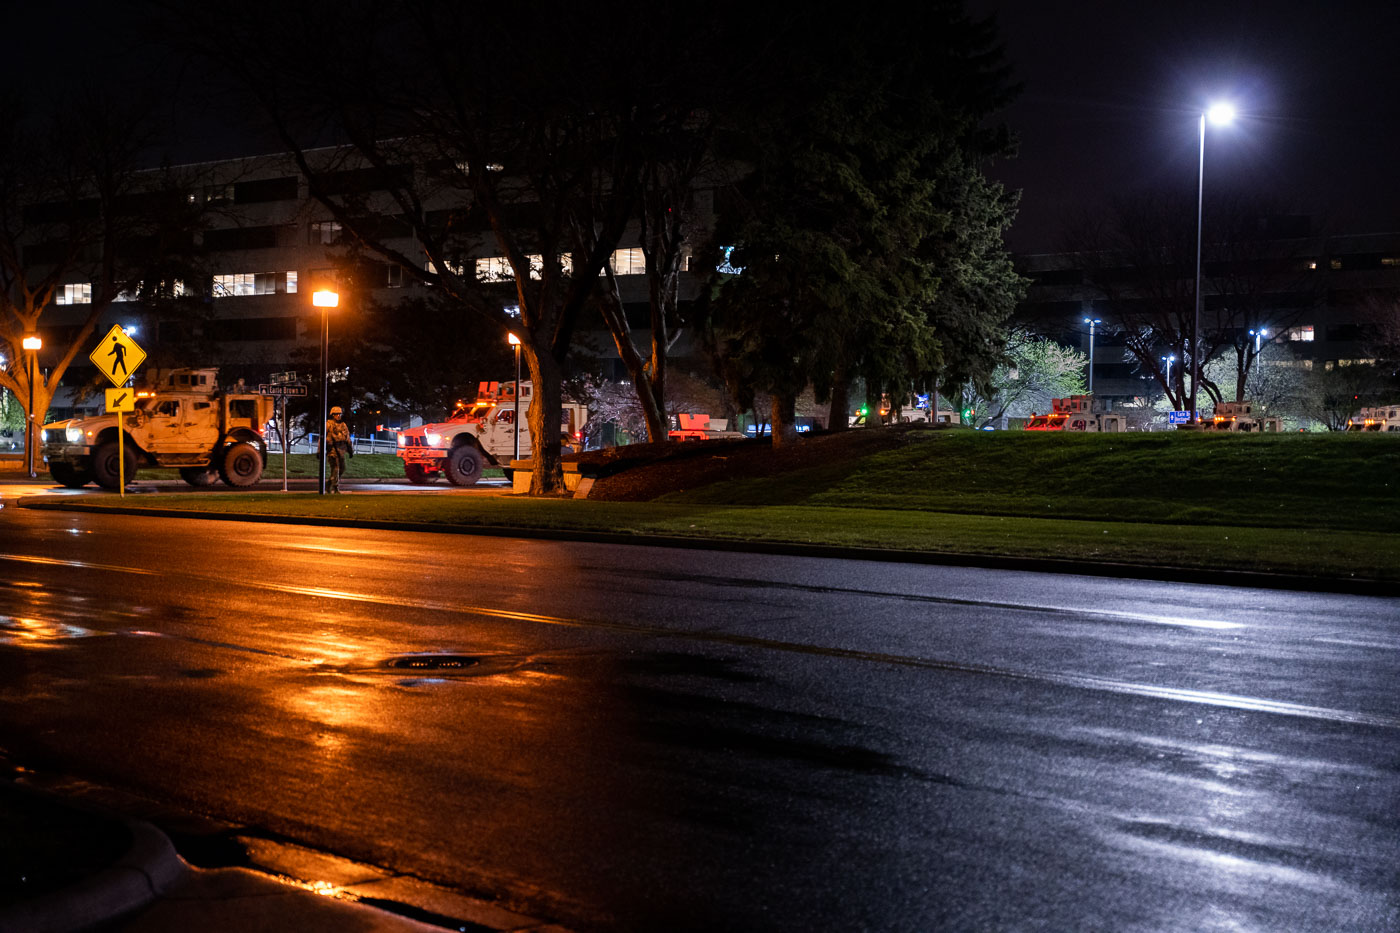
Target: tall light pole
{"type": "Point", "coordinates": [1169, 360]}
{"type": "Point", "coordinates": [1219, 114]}
{"type": "Point", "coordinates": [325, 299]}
{"type": "Point", "coordinates": [1091, 321]}
{"type": "Point", "coordinates": [515, 342]}
{"type": "Point", "coordinates": [33, 343]}
{"type": "Point", "coordinates": [1256, 334]}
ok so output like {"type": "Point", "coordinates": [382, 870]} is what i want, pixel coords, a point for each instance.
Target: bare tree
{"type": "Point", "coordinates": [1140, 257]}
{"type": "Point", "coordinates": [80, 226]}
{"type": "Point", "coordinates": [525, 131]}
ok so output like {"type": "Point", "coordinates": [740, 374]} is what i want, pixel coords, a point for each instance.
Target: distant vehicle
{"type": "Point", "coordinates": [1385, 418]}
{"type": "Point", "coordinates": [185, 422]}
{"type": "Point", "coordinates": [1076, 414]}
{"type": "Point", "coordinates": [1240, 416]}
{"type": "Point", "coordinates": [477, 434]}
{"type": "Point", "coordinates": [693, 427]}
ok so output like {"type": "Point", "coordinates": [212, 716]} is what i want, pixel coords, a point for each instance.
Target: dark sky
{"type": "Point", "coordinates": [1113, 93]}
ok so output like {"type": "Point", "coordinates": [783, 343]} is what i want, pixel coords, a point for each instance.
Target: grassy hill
{"type": "Point", "coordinates": [1338, 481]}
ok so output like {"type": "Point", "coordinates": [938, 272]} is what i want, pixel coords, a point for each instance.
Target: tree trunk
{"type": "Point", "coordinates": [546, 411]}
{"type": "Point", "coordinates": [784, 422]}
{"type": "Point", "coordinates": [839, 417]}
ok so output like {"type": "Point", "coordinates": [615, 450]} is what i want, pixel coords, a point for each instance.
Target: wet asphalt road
{"type": "Point", "coordinates": [649, 739]}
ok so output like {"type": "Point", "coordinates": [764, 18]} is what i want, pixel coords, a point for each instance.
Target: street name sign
{"type": "Point", "coordinates": [117, 356]}
{"type": "Point", "coordinates": [1178, 417]}
{"type": "Point", "coordinates": [281, 388]}
{"type": "Point", "coordinates": [121, 399]}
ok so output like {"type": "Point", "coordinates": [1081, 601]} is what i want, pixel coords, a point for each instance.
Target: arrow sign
{"type": "Point", "coordinates": [117, 356]}
{"type": "Point", "coordinates": [121, 400]}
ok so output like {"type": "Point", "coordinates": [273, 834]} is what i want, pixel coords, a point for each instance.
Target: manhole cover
{"type": "Point", "coordinates": [433, 662]}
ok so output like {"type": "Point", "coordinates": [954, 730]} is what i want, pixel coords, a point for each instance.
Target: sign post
{"type": "Point", "coordinates": [125, 355]}
{"type": "Point", "coordinates": [283, 390]}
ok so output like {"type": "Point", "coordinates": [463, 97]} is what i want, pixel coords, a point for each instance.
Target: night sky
{"type": "Point", "coordinates": [1113, 92]}
{"type": "Point", "coordinates": [1111, 96]}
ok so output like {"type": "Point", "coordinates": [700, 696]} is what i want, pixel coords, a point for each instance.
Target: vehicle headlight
{"type": "Point", "coordinates": [44, 437]}
{"type": "Point", "coordinates": [403, 440]}
{"type": "Point", "coordinates": [433, 439]}
{"type": "Point", "coordinates": [73, 435]}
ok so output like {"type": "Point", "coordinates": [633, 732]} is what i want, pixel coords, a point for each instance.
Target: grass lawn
{"type": "Point", "coordinates": [1309, 505]}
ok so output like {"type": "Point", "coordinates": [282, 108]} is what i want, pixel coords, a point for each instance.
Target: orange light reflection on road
{"type": "Point", "coordinates": [39, 633]}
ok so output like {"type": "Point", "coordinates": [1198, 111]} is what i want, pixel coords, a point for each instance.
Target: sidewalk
{"type": "Point", "coordinates": [66, 867]}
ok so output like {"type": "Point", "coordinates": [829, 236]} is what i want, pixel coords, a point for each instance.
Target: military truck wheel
{"type": "Point", "coordinates": [65, 474]}
{"type": "Point", "coordinates": [105, 464]}
{"type": "Point", "coordinates": [242, 466]}
{"type": "Point", "coordinates": [417, 474]}
{"type": "Point", "coordinates": [465, 465]}
{"type": "Point", "coordinates": [198, 476]}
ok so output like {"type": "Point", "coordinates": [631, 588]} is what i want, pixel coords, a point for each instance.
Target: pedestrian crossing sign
{"type": "Point", "coordinates": [117, 356]}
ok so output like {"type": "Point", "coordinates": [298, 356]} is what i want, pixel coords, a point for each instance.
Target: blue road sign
{"type": "Point", "coordinates": [1178, 417]}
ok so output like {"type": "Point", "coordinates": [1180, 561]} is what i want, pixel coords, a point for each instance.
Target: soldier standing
{"type": "Point", "coordinates": [337, 435]}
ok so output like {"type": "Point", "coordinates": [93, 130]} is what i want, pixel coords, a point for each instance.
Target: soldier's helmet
{"type": "Point", "coordinates": [337, 410]}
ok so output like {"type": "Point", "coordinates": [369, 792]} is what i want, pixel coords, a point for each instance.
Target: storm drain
{"type": "Point", "coordinates": [433, 662]}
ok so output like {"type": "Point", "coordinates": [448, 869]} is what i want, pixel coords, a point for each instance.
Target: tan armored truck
{"type": "Point", "coordinates": [1240, 416]}
{"type": "Point", "coordinates": [185, 422]}
{"type": "Point", "coordinates": [476, 435]}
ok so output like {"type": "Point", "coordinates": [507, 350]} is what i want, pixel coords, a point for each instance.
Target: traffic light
{"type": "Point", "coordinates": [967, 414]}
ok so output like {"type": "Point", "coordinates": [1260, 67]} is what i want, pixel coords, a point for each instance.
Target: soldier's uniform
{"type": "Point", "coordinates": [337, 435]}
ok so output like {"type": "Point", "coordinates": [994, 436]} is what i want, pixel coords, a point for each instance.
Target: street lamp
{"type": "Point", "coordinates": [1256, 334]}
{"type": "Point", "coordinates": [1220, 114]}
{"type": "Point", "coordinates": [325, 299]}
{"type": "Point", "coordinates": [1091, 321]}
{"type": "Point", "coordinates": [515, 342]}
{"type": "Point", "coordinates": [33, 343]}
{"type": "Point", "coordinates": [1169, 360]}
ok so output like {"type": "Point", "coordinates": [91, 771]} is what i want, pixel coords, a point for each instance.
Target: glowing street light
{"type": "Point", "coordinates": [1169, 360]}
{"type": "Point", "coordinates": [325, 299]}
{"type": "Point", "coordinates": [1091, 321]}
{"type": "Point", "coordinates": [33, 343]}
{"type": "Point", "coordinates": [515, 342]}
{"type": "Point", "coordinates": [1220, 114]}
{"type": "Point", "coordinates": [1256, 334]}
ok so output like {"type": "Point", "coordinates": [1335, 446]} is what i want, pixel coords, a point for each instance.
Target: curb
{"type": "Point", "coordinates": [149, 868]}
{"type": "Point", "coordinates": [1239, 578]}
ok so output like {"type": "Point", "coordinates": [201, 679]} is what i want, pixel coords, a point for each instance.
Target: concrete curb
{"type": "Point", "coordinates": [148, 869]}
{"type": "Point", "coordinates": [1240, 578]}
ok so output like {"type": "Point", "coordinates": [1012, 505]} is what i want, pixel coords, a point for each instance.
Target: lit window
{"type": "Point", "coordinates": [1335, 264]}
{"type": "Point", "coordinates": [166, 288]}
{"type": "Point", "coordinates": [238, 284]}
{"type": "Point", "coordinates": [499, 269]}
{"type": "Point", "coordinates": [494, 269]}
{"type": "Point", "coordinates": [1390, 260]}
{"type": "Point", "coordinates": [76, 294]}
{"type": "Point", "coordinates": [326, 232]}
{"type": "Point", "coordinates": [629, 261]}
{"type": "Point", "coordinates": [1303, 333]}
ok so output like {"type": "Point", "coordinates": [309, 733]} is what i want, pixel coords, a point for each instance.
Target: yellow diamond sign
{"type": "Point", "coordinates": [117, 356]}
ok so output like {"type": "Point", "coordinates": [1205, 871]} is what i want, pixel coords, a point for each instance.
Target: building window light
{"type": "Point", "coordinates": [1304, 333]}
{"type": "Point", "coordinates": [628, 261]}
{"type": "Point", "coordinates": [75, 294]}
{"type": "Point", "coordinates": [239, 284]}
